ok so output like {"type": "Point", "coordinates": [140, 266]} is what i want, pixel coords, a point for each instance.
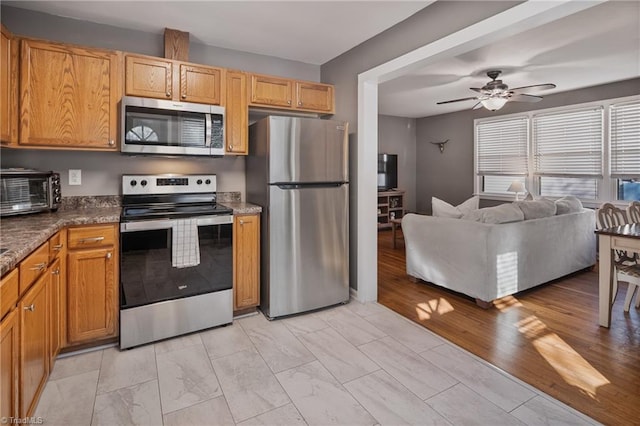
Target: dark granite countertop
{"type": "Point", "coordinates": [21, 235]}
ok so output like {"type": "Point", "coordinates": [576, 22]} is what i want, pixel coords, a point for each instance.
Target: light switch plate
{"type": "Point", "coordinates": [75, 177]}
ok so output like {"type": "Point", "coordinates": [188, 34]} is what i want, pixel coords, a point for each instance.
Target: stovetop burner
{"type": "Point", "coordinates": [169, 197]}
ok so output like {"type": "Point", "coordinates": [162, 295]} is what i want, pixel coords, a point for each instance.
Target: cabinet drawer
{"type": "Point", "coordinates": [33, 266]}
{"type": "Point", "coordinates": [8, 292]}
{"type": "Point", "coordinates": [56, 245]}
{"type": "Point", "coordinates": [93, 236]}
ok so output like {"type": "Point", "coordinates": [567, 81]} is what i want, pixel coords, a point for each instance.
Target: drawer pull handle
{"type": "Point", "coordinates": [91, 240]}
{"type": "Point", "coordinates": [31, 308]}
{"type": "Point", "coordinates": [58, 247]}
{"type": "Point", "coordinates": [38, 267]}
{"type": "Point", "coordinates": [109, 255]}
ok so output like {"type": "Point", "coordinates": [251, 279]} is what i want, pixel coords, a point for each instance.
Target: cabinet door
{"type": "Point", "coordinates": [148, 77]}
{"type": "Point", "coordinates": [9, 354]}
{"type": "Point", "coordinates": [8, 88]}
{"type": "Point", "coordinates": [314, 96]}
{"type": "Point", "coordinates": [92, 295]}
{"type": "Point", "coordinates": [200, 84]}
{"type": "Point", "coordinates": [34, 344]}
{"type": "Point", "coordinates": [246, 261]}
{"type": "Point", "coordinates": [271, 91]}
{"type": "Point", "coordinates": [237, 113]}
{"type": "Point", "coordinates": [68, 96]}
{"type": "Point", "coordinates": [55, 310]}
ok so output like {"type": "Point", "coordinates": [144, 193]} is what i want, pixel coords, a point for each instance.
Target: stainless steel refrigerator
{"type": "Point", "coordinates": [297, 170]}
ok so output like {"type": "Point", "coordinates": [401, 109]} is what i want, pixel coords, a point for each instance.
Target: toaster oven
{"type": "Point", "coordinates": [24, 191]}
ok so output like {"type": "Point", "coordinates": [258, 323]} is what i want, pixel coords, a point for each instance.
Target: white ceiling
{"type": "Point", "coordinates": [313, 32]}
{"type": "Point", "coordinates": [596, 46]}
{"type": "Point", "coordinates": [592, 47]}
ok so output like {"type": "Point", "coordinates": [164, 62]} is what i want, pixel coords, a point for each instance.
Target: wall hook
{"type": "Point", "coordinates": [440, 145]}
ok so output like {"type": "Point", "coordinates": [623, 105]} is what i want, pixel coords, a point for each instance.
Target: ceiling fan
{"type": "Point", "coordinates": [495, 93]}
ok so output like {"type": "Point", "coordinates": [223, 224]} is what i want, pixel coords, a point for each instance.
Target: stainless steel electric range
{"type": "Point", "coordinates": [176, 260]}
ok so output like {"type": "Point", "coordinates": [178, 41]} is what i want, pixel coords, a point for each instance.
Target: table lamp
{"type": "Point", "coordinates": [517, 187]}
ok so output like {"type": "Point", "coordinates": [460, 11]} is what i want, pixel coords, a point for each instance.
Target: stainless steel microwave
{"type": "Point", "coordinates": [157, 126]}
{"type": "Point", "coordinates": [25, 191]}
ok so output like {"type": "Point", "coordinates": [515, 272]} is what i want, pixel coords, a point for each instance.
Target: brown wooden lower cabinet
{"type": "Point", "coordinates": [55, 310]}
{"type": "Point", "coordinates": [34, 344]}
{"type": "Point", "coordinates": [92, 288]}
{"type": "Point", "coordinates": [246, 261]}
{"type": "Point", "coordinates": [9, 356]}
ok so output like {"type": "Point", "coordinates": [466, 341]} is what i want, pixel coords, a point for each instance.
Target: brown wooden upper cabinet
{"type": "Point", "coordinates": [159, 78]}
{"type": "Point", "coordinates": [237, 114]}
{"type": "Point", "coordinates": [269, 91]}
{"type": "Point", "coordinates": [8, 88]}
{"type": "Point", "coordinates": [69, 96]}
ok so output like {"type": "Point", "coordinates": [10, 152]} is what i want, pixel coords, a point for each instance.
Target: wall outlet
{"type": "Point", "coordinates": [75, 177]}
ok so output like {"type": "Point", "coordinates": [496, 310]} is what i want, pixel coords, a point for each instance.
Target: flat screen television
{"type": "Point", "coordinates": [387, 172]}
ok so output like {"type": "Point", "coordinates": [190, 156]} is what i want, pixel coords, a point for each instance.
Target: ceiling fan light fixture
{"type": "Point", "coordinates": [494, 103]}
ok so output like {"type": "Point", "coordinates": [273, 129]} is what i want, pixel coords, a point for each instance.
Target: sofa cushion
{"type": "Point", "coordinates": [503, 213]}
{"type": "Point", "coordinates": [536, 209]}
{"type": "Point", "coordinates": [443, 209]}
{"type": "Point", "coordinates": [568, 204]}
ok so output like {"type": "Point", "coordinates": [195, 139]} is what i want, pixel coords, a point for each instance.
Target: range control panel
{"type": "Point", "coordinates": [167, 184]}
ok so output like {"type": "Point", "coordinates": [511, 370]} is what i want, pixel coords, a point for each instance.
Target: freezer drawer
{"type": "Point", "coordinates": [308, 249]}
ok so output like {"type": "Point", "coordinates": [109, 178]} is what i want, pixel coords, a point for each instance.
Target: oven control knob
{"type": "Point", "coordinates": [208, 181]}
{"type": "Point", "coordinates": [133, 183]}
{"type": "Point", "coordinates": [143, 182]}
{"type": "Point", "coordinates": [199, 181]}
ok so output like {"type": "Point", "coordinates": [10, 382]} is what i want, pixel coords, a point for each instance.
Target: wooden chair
{"type": "Point", "coordinates": [633, 212]}
{"type": "Point", "coordinates": [626, 265]}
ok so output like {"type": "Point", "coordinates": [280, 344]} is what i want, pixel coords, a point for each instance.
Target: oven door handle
{"type": "Point", "coordinates": [146, 225]}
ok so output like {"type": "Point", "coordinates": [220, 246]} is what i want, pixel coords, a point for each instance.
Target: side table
{"type": "Point", "coordinates": [394, 224]}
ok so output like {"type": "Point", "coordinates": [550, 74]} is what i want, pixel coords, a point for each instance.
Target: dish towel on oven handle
{"type": "Point", "coordinates": [185, 249]}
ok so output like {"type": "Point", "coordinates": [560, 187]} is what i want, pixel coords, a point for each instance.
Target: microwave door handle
{"type": "Point", "coordinates": [207, 129]}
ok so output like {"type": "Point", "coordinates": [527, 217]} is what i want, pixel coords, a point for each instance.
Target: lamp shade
{"type": "Point", "coordinates": [494, 103]}
{"type": "Point", "coordinates": [516, 186]}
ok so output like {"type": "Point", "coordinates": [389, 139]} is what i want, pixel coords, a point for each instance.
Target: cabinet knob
{"type": "Point", "coordinates": [31, 308]}
{"type": "Point", "coordinates": [112, 142]}
{"type": "Point", "coordinates": [289, 102]}
{"type": "Point", "coordinates": [39, 267]}
{"type": "Point", "coordinates": [241, 222]}
{"type": "Point", "coordinates": [184, 96]}
{"type": "Point", "coordinates": [299, 103]}
{"type": "Point", "coordinates": [109, 255]}
{"type": "Point", "coordinates": [168, 94]}
{"type": "Point", "coordinates": [56, 272]}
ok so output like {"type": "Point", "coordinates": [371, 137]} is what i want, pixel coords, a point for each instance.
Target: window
{"type": "Point", "coordinates": [625, 149]}
{"type": "Point", "coordinates": [502, 153]}
{"type": "Point", "coordinates": [567, 152]}
{"type": "Point", "coordinates": [591, 151]}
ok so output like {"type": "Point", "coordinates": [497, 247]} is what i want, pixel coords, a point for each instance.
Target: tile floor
{"type": "Point", "coordinates": [353, 364]}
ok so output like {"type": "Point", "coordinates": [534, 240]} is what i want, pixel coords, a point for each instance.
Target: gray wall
{"type": "Point", "coordinates": [431, 23]}
{"type": "Point", "coordinates": [397, 135]}
{"type": "Point", "coordinates": [450, 176]}
{"type": "Point", "coordinates": [101, 171]}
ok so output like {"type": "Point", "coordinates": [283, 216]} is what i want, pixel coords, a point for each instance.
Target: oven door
{"type": "Point", "coordinates": [147, 256]}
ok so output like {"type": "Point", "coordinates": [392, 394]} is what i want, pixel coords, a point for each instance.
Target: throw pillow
{"type": "Point", "coordinates": [568, 204]}
{"type": "Point", "coordinates": [504, 213]}
{"type": "Point", "coordinates": [443, 209]}
{"type": "Point", "coordinates": [536, 209]}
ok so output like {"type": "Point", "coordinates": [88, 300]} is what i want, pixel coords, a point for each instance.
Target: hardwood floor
{"type": "Point", "coordinates": [547, 336]}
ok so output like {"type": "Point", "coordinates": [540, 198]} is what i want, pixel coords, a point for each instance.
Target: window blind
{"type": "Point", "coordinates": [625, 140]}
{"type": "Point", "coordinates": [502, 147]}
{"type": "Point", "coordinates": [568, 143]}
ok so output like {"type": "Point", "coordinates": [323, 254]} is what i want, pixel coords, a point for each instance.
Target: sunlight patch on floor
{"type": "Point", "coordinates": [569, 364]}
{"type": "Point", "coordinates": [434, 306]}
{"type": "Point", "coordinates": [506, 303]}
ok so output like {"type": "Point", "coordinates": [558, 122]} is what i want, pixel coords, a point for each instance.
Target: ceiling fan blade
{"type": "Point", "coordinates": [456, 100]}
{"type": "Point", "coordinates": [478, 89]}
{"type": "Point", "coordinates": [534, 87]}
{"type": "Point", "coordinates": [477, 106]}
{"type": "Point", "coordinates": [525, 98]}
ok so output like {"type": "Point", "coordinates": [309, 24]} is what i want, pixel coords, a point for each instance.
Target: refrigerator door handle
{"type": "Point", "coordinates": [309, 185]}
